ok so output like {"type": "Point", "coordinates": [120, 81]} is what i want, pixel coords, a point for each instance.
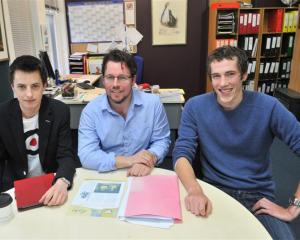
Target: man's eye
{"type": "Point", "coordinates": [110, 78]}
{"type": "Point", "coordinates": [122, 78]}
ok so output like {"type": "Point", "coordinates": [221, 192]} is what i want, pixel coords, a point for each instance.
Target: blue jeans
{"type": "Point", "coordinates": [277, 229]}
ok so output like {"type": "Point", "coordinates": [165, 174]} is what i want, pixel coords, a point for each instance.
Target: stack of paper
{"type": "Point", "coordinates": [171, 95]}
{"type": "Point", "coordinates": [226, 23]}
{"type": "Point", "coordinates": [152, 201]}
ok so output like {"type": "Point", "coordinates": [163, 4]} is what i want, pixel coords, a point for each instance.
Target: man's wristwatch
{"type": "Point", "coordinates": [65, 181]}
{"type": "Point", "coordinates": [295, 202]}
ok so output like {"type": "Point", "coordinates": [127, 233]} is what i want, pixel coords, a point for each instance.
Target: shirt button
{"type": "Point", "coordinates": [24, 173]}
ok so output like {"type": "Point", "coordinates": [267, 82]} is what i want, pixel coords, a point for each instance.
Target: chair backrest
{"type": "Point", "coordinates": [139, 63]}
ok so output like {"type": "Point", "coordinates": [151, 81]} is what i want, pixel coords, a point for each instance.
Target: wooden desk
{"type": "Point", "coordinates": [229, 219]}
{"type": "Point", "coordinates": [173, 107]}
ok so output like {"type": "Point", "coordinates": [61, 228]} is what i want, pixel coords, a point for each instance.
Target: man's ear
{"type": "Point", "coordinates": [102, 80]}
{"type": "Point", "coordinates": [244, 77]}
{"type": "Point", "coordinates": [133, 80]}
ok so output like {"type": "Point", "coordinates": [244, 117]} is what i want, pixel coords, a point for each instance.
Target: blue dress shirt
{"type": "Point", "coordinates": [104, 134]}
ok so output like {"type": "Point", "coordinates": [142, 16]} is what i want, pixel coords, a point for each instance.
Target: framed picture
{"type": "Point", "coordinates": [3, 46]}
{"type": "Point", "coordinates": [129, 12]}
{"type": "Point", "coordinates": [169, 22]}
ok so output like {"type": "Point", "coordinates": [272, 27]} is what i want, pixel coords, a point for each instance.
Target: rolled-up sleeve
{"type": "Point", "coordinates": [160, 138]}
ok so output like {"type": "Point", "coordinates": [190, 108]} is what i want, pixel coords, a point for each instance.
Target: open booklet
{"type": "Point", "coordinates": [97, 198]}
{"type": "Point", "coordinates": [152, 201]}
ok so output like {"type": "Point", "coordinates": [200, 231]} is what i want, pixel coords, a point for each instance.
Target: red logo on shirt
{"type": "Point", "coordinates": [33, 142]}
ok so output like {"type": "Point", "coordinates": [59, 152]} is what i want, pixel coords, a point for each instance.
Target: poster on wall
{"type": "Point", "coordinates": [169, 22]}
{"type": "Point", "coordinates": [3, 46]}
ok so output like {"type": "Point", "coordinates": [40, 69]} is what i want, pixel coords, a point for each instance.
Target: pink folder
{"type": "Point", "coordinates": [154, 195]}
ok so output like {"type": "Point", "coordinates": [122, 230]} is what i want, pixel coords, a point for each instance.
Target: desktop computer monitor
{"type": "Point", "coordinates": [46, 61]}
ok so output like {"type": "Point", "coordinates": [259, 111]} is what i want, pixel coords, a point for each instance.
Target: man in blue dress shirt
{"type": "Point", "coordinates": [124, 128]}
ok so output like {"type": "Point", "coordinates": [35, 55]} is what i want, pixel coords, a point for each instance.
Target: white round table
{"type": "Point", "coordinates": [229, 219]}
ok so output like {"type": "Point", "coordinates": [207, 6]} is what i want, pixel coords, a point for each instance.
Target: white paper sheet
{"type": "Point", "coordinates": [133, 35]}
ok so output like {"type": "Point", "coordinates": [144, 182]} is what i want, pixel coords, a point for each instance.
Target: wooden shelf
{"type": "Point", "coordinates": [280, 59]}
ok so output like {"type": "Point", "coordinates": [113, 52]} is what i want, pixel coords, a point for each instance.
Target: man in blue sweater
{"type": "Point", "coordinates": [235, 130]}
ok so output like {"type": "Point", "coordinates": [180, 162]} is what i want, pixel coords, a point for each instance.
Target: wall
{"type": "Point", "coordinates": [176, 66]}
{"type": "Point", "coordinates": [5, 90]}
{"type": "Point", "coordinates": [62, 38]}
{"type": "Point", "coordinates": [180, 66]}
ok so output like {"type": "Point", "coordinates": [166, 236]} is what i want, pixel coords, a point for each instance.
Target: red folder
{"type": "Point", "coordinates": [275, 20]}
{"type": "Point", "coordinates": [241, 23]}
{"type": "Point", "coordinates": [29, 191]}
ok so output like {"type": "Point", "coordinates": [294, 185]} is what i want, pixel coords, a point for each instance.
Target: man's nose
{"type": "Point", "coordinates": [29, 92]}
{"type": "Point", "coordinates": [116, 82]}
{"type": "Point", "coordinates": [223, 80]}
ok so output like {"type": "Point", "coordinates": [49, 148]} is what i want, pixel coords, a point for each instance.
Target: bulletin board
{"type": "Point", "coordinates": [99, 21]}
{"type": "Point", "coordinates": [95, 21]}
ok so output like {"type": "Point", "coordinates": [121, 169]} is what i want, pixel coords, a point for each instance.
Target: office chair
{"type": "Point", "coordinates": [139, 73]}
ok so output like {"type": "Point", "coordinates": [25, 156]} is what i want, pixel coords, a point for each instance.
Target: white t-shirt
{"type": "Point", "coordinates": [31, 127]}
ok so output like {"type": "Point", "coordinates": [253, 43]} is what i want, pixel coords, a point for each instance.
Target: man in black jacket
{"type": "Point", "coordinates": [35, 136]}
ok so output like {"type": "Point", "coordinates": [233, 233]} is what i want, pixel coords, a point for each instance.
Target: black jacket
{"type": "Point", "coordinates": [55, 143]}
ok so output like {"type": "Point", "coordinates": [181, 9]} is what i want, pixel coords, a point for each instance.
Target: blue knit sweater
{"type": "Point", "coordinates": [235, 144]}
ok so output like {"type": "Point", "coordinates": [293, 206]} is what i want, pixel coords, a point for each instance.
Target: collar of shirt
{"type": "Point", "coordinates": [135, 101]}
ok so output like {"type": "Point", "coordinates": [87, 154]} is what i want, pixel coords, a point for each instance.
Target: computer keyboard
{"type": "Point", "coordinates": [84, 85]}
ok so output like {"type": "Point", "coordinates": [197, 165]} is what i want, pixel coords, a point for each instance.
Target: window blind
{"type": "Point", "coordinates": [21, 27]}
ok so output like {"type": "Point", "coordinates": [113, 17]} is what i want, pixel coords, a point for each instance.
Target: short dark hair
{"type": "Point", "coordinates": [116, 55]}
{"type": "Point", "coordinates": [229, 53]}
{"type": "Point", "coordinates": [27, 63]}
